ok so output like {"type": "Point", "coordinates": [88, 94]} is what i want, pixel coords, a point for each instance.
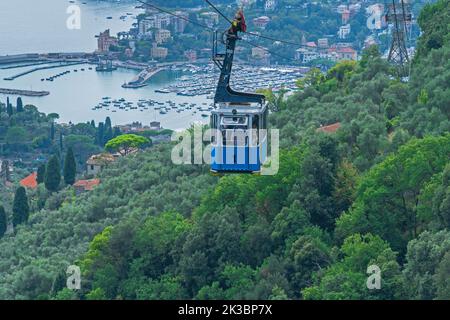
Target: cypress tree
{"type": "Point", "coordinates": [108, 123]}
{"type": "Point", "coordinates": [52, 174]}
{"type": "Point", "coordinates": [5, 170]}
{"type": "Point", "coordinates": [108, 132]}
{"type": "Point", "coordinates": [52, 131]}
{"type": "Point", "coordinates": [19, 104]}
{"type": "Point", "coordinates": [117, 132]}
{"type": "Point", "coordinates": [9, 108]}
{"type": "Point", "coordinates": [59, 283]}
{"type": "Point", "coordinates": [101, 134]}
{"type": "Point", "coordinates": [40, 174]}
{"type": "Point", "coordinates": [3, 221]}
{"type": "Point", "coordinates": [21, 210]}
{"type": "Point", "coordinates": [108, 135]}
{"type": "Point", "coordinates": [61, 146]}
{"type": "Point", "coordinates": [70, 167]}
{"type": "Point", "coordinates": [93, 124]}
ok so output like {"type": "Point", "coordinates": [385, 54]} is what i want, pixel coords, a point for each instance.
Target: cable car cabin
{"type": "Point", "coordinates": [239, 139]}
{"type": "Point", "coordinates": [239, 122]}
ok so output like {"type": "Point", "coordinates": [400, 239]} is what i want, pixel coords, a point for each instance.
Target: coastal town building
{"type": "Point", "coordinates": [260, 56]}
{"type": "Point", "coordinates": [145, 26]}
{"type": "Point", "coordinates": [180, 21]}
{"type": "Point", "coordinates": [105, 41]}
{"type": "Point", "coordinates": [261, 22]}
{"type": "Point", "coordinates": [211, 19]}
{"type": "Point", "coordinates": [345, 16]}
{"type": "Point", "coordinates": [311, 44]}
{"type": "Point", "coordinates": [332, 128]}
{"type": "Point", "coordinates": [341, 8]}
{"type": "Point", "coordinates": [85, 185]}
{"type": "Point", "coordinates": [191, 55]}
{"type": "Point", "coordinates": [354, 8]}
{"type": "Point", "coordinates": [369, 41]}
{"type": "Point", "coordinates": [155, 125]}
{"type": "Point", "coordinates": [344, 31]}
{"type": "Point", "coordinates": [162, 35]}
{"type": "Point", "coordinates": [30, 181]}
{"type": "Point", "coordinates": [244, 3]}
{"type": "Point", "coordinates": [98, 162]}
{"type": "Point", "coordinates": [339, 53]}
{"type": "Point", "coordinates": [323, 43]}
{"type": "Point", "coordinates": [346, 53]}
{"type": "Point", "coordinates": [305, 55]}
{"type": "Point", "coordinates": [158, 52]}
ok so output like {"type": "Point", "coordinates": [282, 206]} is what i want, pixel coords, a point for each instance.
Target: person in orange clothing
{"type": "Point", "coordinates": [238, 24]}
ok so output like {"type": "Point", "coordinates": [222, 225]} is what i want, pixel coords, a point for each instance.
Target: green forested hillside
{"type": "Point", "coordinates": [376, 192]}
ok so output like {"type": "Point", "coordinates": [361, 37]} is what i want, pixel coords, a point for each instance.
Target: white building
{"type": "Point", "coordinates": [323, 43]}
{"type": "Point", "coordinates": [344, 31]}
{"type": "Point", "coordinates": [210, 18]}
{"type": "Point", "coordinates": [261, 22]}
{"type": "Point", "coordinates": [354, 8]}
{"type": "Point", "coordinates": [245, 3]}
{"type": "Point", "coordinates": [341, 8]}
{"type": "Point", "coordinates": [258, 52]}
{"type": "Point", "coordinates": [180, 22]}
{"type": "Point", "coordinates": [155, 21]}
{"type": "Point", "coordinates": [158, 52]}
{"type": "Point", "coordinates": [306, 55]}
{"type": "Point", "coordinates": [162, 35]}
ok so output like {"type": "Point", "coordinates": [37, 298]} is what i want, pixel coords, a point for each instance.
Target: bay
{"type": "Point", "coordinates": [30, 26]}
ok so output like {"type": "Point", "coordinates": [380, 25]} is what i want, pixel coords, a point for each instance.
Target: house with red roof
{"type": "Point", "coordinates": [30, 182]}
{"type": "Point", "coordinates": [86, 185]}
{"type": "Point", "coordinates": [347, 53]}
{"type": "Point", "coordinates": [332, 128]}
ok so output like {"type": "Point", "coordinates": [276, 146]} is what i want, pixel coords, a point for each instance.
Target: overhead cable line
{"type": "Point", "coordinates": [256, 34]}
{"type": "Point", "coordinates": [175, 15]}
{"type": "Point", "coordinates": [214, 30]}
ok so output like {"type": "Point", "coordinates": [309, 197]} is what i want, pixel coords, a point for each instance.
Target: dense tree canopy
{"type": "Point", "coordinates": [373, 193]}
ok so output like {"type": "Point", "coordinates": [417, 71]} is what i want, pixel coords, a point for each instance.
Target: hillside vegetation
{"type": "Point", "coordinates": [376, 192]}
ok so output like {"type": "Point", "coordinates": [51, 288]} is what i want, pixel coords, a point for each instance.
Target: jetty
{"type": "Point", "coordinates": [42, 68]}
{"type": "Point", "coordinates": [141, 79]}
{"type": "Point", "coordinates": [27, 93]}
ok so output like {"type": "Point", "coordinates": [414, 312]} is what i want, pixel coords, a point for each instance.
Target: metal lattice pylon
{"type": "Point", "coordinates": [399, 15]}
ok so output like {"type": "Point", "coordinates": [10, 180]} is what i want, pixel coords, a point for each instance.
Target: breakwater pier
{"type": "Point", "coordinates": [27, 93]}
{"type": "Point", "coordinates": [42, 68]}
{"type": "Point", "coordinates": [141, 79]}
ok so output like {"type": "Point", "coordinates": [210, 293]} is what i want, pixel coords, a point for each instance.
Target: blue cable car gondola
{"type": "Point", "coordinates": [239, 121]}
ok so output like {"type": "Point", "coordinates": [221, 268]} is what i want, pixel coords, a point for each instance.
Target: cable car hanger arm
{"type": "Point", "coordinates": [224, 92]}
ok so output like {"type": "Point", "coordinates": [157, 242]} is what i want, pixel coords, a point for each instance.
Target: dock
{"type": "Point", "coordinates": [42, 68]}
{"type": "Point", "coordinates": [26, 93]}
{"type": "Point", "coordinates": [140, 80]}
